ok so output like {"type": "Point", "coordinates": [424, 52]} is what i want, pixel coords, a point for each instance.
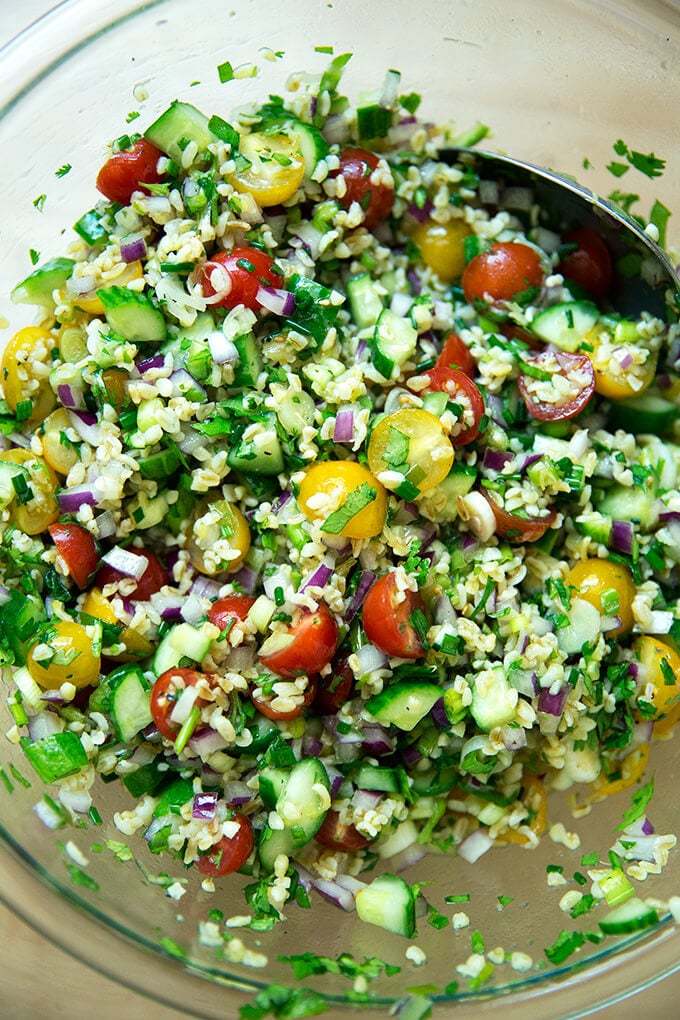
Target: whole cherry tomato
{"type": "Point", "coordinates": [577, 368]}
{"type": "Point", "coordinates": [501, 273]}
{"type": "Point", "coordinates": [230, 852]}
{"type": "Point", "coordinates": [375, 198]}
{"type": "Point", "coordinates": [164, 695]}
{"type": "Point", "coordinates": [335, 835]}
{"type": "Point", "coordinates": [129, 170]}
{"type": "Point", "coordinates": [312, 642]}
{"type": "Point", "coordinates": [589, 264]}
{"type": "Point", "coordinates": [461, 390]}
{"type": "Point", "coordinates": [387, 619]}
{"type": "Point", "coordinates": [78, 550]}
{"type": "Point", "coordinates": [151, 581]}
{"type": "Point", "coordinates": [236, 276]}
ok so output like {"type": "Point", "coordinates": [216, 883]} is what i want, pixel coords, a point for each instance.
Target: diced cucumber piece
{"type": "Point", "coordinates": [393, 343]}
{"type": "Point", "coordinates": [494, 701]}
{"type": "Point", "coordinates": [263, 458]}
{"type": "Point", "coordinates": [435, 403]}
{"type": "Point", "coordinates": [38, 286]}
{"type": "Point", "coordinates": [272, 782]}
{"type": "Point", "coordinates": [584, 625]}
{"type": "Point", "coordinates": [566, 324]}
{"type": "Point", "coordinates": [148, 511]}
{"type": "Point", "coordinates": [302, 803]}
{"type": "Point", "coordinates": [20, 622]}
{"type": "Point", "coordinates": [623, 503]}
{"type": "Point", "coordinates": [130, 704]}
{"type": "Point", "coordinates": [596, 526]}
{"type": "Point", "coordinates": [181, 124]}
{"type": "Point", "coordinates": [249, 363]}
{"type": "Point", "coordinates": [633, 915]}
{"type": "Point", "coordinates": [457, 483]}
{"type": "Point", "coordinates": [181, 642]}
{"type": "Point", "coordinates": [375, 777]}
{"type": "Point", "coordinates": [56, 756]}
{"type": "Point", "coordinates": [365, 304]}
{"type": "Point", "coordinates": [272, 843]}
{"type": "Point", "coordinates": [132, 316]}
{"type": "Point", "coordinates": [313, 145]}
{"type": "Point", "coordinates": [13, 477]}
{"type": "Point", "coordinates": [159, 465]}
{"type": "Point", "coordinates": [389, 903]}
{"type": "Point", "coordinates": [650, 412]}
{"type": "Point", "coordinates": [403, 704]}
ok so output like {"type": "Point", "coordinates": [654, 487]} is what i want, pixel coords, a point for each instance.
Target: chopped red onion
{"type": "Point", "coordinates": [237, 793]}
{"type": "Point", "coordinates": [407, 857]}
{"type": "Point", "coordinates": [276, 300]}
{"type": "Point", "coordinates": [623, 537]}
{"type": "Point", "coordinates": [475, 845]}
{"type": "Point", "coordinates": [133, 250]}
{"type": "Point", "coordinates": [49, 816]}
{"type": "Point", "coordinates": [53, 697]}
{"type": "Point", "coordinates": [528, 460]}
{"type": "Point", "coordinates": [150, 364]}
{"type": "Point", "coordinates": [366, 800]}
{"type": "Point", "coordinates": [489, 192]}
{"type": "Point", "coordinates": [410, 755]}
{"type": "Point", "coordinates": [495, 460]}
{"type": "Point", "coordinates": [311, 746]}
{"type": "Point", "coordinates": [181, 710]}
{"type": "Point", "coordinates": [223, 350]}
{"type": "Point", "coordinates": [320, 577]}
{"type": "Point", "coordinates": [610, 623]}
{"type": "Point", "coordinates": [669, 515]}
{"type": "Point", "coordinates": [206, 587]}
{"type": "Point", "coordinates": [192, 610]}
{"type": "Point", "coordinates": [494, 407]}
{"type": "Point", "coordinates": [154, 827]}
{"type": "Point", "coordinates": [401, 304]}
{"type": "Point", "coordinates": [336, 779]}
{"type": "Point", "coordinates": [420, 214]}
{"type": "Point", "coordinates": [206, 741]}
{"type": "Point", "coordinates": [335, 893]}
{"type": "Point", "coordinates": [219, 280]}
{"type": "Point", "coordinates": [647, 827]}
{"type": "Point", "coordinates": [71, 397]}
{"type": "Point", "coordinates": [4, 594]}
{"type": "Point", "coordinates": [390, 89]}
{"type": "Point", "coordinates": [343, 431]}
{"type": "Point", "coordinates": [279, 503]}
{"type": "Point", "coordinates": [370, 659]}
{"type": "Point", "coordinates": [106, 524]}
{"type": "Point", "coordinates": [71, 500]}
{"type": "Point", "coordinates": [439, 715]}
{"type": "Point", "coordinates": [660, 621]}
{"type": "Point", "coordinates": [45, 724]}
{"type": "Point", "coordinates": [204, 806]}
{"type": "Point", "coordinates": [168, 606]}
{"type": "Point", "coordinates": [86, 425]}
{"type": "Point", "coordinates": [126, 562]}
{"type": "Point", "coordinates": [623, 356]}
{"type": "Point", "coordinates": [246, 578]}
{"type": "Point", "coordinates": [336, 129]}
{"type": "Point", "coordinates": [377, 740]}
{"type": "Point", "coordinates": [552, 704]}
{"type": "Point", "coordinates": [514, 737]}
{"type": "Point", "coordinates": [366, 582]}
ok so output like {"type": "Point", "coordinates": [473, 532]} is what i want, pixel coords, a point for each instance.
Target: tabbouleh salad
{"type": "Point", "coordinates": [340, 514]}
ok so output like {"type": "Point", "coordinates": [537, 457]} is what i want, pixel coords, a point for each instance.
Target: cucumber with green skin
{"type": "Point", "coordinates": [129, 703]}
{"type": "Point", "coordinates": [38, 287]}
{"type": "Point", "coordinates": [132, 315]}
{"type": "Point", "coordinates": [177, 127]}
{"type": "Point", "coordinates": [565, 325]}
{"type": "Point", "coordinates": [393, 342]}
{"type": "Point", "coordinates": [403, 704]}
{"type": "Point", "coordinates": [648, 413]}
{"type": "Point", "coordinates": [388, 902]}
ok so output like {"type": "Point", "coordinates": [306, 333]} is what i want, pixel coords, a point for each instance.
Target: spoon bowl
{"type": "Point", "coordinates": [644, 277]}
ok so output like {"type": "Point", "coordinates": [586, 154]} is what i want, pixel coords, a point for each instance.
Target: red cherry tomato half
{"type": "Point", "coordinates": [128, 171]}
{"type": "Point", "coordinates": [518, 529]}
{"type": "Point", "coordinates": [314, 639]}
{"type": "Point", "coordinates": [576, 367]}
{"type": "Point", "coordinates": [230, 853]}
{"type": "Point", "coordinates": [264, 704]}
{"type": "Point", "coordinates": [376, 199]}
{"type": "Point", "coordinates": [78, 550]}
{"type": "Point", "coordinates": [460, 389]}
{"type": "Point", "coordinates": [502, 272]}
{"type": "Point", "coordinates": [334, 835]}
{"type": "Point", "coordinates": [589, 264]}
{"type": "Point", "coordinates": [151, 581]}
{"type": "Point", "coordinates": [386, 619]}
{"type": "Point", "coordinates": [335, 690]}
{"type": "Point", "coordinates": [232, 608]}
{"type": "Point", "coordinates": [456, 354]}
{"type": "Point", "coordinates": [236, 276]}
{"type": "Point", "coordinates": [164, 694]}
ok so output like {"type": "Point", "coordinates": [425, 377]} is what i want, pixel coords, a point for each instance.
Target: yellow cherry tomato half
{"type": "Point", "coordinates": [274, 170]}
{"type": "Point", "coordinates": [136, 645]}
{"type": "Point", "coordinates": [39, 482]}
{"type": "Point", "coordinates": [441, 247]}
{"type": "Point", "coordinates": [64, 654]}
{"type": "Point", "coordinates": [218, 538]}
{"type": "Point", "coordinates": [346, 497]}
{"type": "Point", "coordinates": [26, 362]}
{"type": "Point", "coordinates": [60, 454]}
{"type": "Point", "coordinates": [632, 769]}
{"type": "Point", "coordinates": [612, 380]}
{"type": "Point", "coordinates": [658, 680]}
{"type": "Point", "coordinates": [410, 446]}
{"type": "Point", "coordinates": [595, 578]}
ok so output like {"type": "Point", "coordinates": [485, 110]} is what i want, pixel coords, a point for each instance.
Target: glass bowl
{"type": "Point", "coordinates": [559, 83]}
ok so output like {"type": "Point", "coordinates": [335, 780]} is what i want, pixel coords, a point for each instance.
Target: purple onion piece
{"type": "Point", "coordinates": [276, 300]}
{"type": "Point", "coordinates": [246, 578]}
{"type": "Point", "coordinates": [439, 715]}
{"type": "Point", "coordinates": [71, 500]}
{"type": "Point", "coordinates": [133, 251]}
{"type": "Point", "coordinates": [552, 704]}
{"type": "Point", "coordinates": [623, 537]}
{"type": "Point", "coordinates": [377, 741]}
{"type": "Point", "coordinates": [71, 397]}
{"type": "Point", "coordinates": [148, 364]}
{"type": "Point", "coordinates": [647, 827]}
{"type": "Point", "coordinates": [204, 806]}
{"type": "Point", "coordinates": [320, 577]}
{"type": "Point", "coordinates": [495, 460]}
{"type": "Point", "coordinates": [411, 756]}
{"type": "Point", "coordinates": [366, 582]}
{"type": "Point", "coordinates": [344, 427]}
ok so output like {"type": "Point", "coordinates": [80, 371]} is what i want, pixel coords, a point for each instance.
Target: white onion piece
{"type": "Point", "coordinates": [182, 707]}
{"type": "Point", "coordinates": [78, 801]}
{"type": "Point", "coordinates": [370, 659]}
{"type": "Point", "coordinates": [475, 846]}
{"type": "Point", "coordinates": [47, 815]}
{"type": "Point", "coordinates": [126, 562]}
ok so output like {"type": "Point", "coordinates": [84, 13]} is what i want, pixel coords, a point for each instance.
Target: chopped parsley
{"type": "Point", "coordinates": [357, 500]}
{"type": "Point", "coordinates": [280, 1001]}
{"type": "Point", "coordinates": [641, 799]}
{"type": "Point", "coordinates": [225, 72]}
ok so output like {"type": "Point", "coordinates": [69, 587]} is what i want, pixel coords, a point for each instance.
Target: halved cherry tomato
{"type": "Point", "coordinates": [335, 835]}
{"type": "Point", "coordinates": [151, 581]}
{"type": "Point", "coordinates": [165, 693]}
{"type": "Point", "coordinates": [658, 680]}
{"type": "Point", "coordinates": [460, 389]}
{"type": "Point", "coordinates": [273, 167]}
{"type": "Point", "coordinates": [442, 247]}
{"type": "Point", "coordinates": [504, 271]}
{"type": "Point", "coordinates": [128, 171]}
{"type": "Point", "coordinates": [589, 264]}
{"type": "Point", "coordinates": [335, 690]}
{"type": "Point", "coordinates": [455, 354]}
{"type": "Point", "coordinates": [225, 612]}
{"type": "Point", "coordinates": [375, 198]}
{"type": "Point", "coordinates": [519, 529]}
{"type": "Point", "coordinates": [577, 368]}
{"type": "Point", "coordinates": [265, 707]}
{"type": "Point", "coordinates": [594, 576]}
{"type": "Point", "coordinates": [73, 658]}
{"type": "Point", "coordinates": [308, 646]}
{"type": "Point", "coordinates": [230, 852]}
{"type": "Point", "coordinates": [339, 479]}
{"type": "Point", "coordinates": [236, 276]}
{"type": "Point", "coordinates": [387, 619]}
{"type": "Point", "coordinates": [78, 550]}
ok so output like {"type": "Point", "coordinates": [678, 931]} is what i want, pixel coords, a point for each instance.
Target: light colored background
{"type": "Point", "coordinates": [40, 982]}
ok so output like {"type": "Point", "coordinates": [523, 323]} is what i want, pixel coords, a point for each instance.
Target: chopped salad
{"type": "Point", "coordinates": [340, 511]}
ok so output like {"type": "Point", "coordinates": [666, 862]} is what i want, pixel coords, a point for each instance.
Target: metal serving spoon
{"type": "Point", "coordinates": [649, 283]}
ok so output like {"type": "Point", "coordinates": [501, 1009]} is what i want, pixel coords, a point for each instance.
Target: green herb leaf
{"type": "Point", "coordinates": [354, 504]}
{"type": "Point", "coordinates": [641, 799]}
{"type": "Point", "coordinates": [225, 72]}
